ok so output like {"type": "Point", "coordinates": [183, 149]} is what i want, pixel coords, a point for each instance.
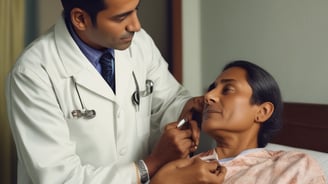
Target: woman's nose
{"type": "Point", "coordinates": [211, 97]}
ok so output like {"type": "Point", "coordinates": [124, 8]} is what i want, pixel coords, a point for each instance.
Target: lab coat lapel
{"type": "Point", "coordinates": [91, 79]}
{"type": "Point", "coordinates": [123, 70]}
{"type": "Point", "coordinates": [94, 82]}
{"type": "Point", "coordinates": [77, 65]}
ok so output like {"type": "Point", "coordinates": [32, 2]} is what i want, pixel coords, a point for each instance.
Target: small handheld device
{"type": "Point", "coordinates": [181, 123]}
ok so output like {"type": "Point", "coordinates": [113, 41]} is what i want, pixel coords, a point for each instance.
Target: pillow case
{"type": "Point", "coordinates": [320, 157]}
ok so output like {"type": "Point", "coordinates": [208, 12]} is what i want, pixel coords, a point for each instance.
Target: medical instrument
{"type": "Point", "coordinates": [181, 123]}
{"type": "Point", "coordinates": [137, 94]}
{"type": "Point", "coordinates": [85, 113]}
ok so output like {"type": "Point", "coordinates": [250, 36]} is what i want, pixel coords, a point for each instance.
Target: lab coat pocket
{"type": "Point", "coordinates": [80, 127]}
{"type": "Point", "coordinates": [143, 116]}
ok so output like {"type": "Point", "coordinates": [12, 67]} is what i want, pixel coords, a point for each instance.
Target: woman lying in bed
{"type": "Point", "coordinates": [242, 111]}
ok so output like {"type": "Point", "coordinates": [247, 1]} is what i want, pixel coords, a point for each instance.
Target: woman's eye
{"type": "Point", "coordinates": [227, 90]}
{"type": "Point", "coordinates": [212, 86]}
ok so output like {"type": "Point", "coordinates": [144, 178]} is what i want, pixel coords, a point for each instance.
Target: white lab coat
{"type": "Point", "coordinates": [52, 145]}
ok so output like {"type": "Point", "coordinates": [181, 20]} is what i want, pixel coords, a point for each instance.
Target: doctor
{"type": "Point", "coordinates": [71, 126]}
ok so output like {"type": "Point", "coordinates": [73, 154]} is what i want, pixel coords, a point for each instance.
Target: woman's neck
{"type": "Point", "coordinates": [232, 145]}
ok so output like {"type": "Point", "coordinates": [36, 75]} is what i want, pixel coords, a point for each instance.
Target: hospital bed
{"type": "Point", "coordinates": [305, 128]}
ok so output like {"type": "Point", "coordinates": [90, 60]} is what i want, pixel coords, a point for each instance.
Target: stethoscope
{"type": "Point", "coordinates": [89, 114]}
{"type": "Point", "coordinates": [85, 113]}
{"type": "Point", "coordinates": [137, 94]}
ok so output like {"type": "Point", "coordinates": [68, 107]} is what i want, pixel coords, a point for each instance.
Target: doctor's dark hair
{"type": "Point", "coordinates": [264, 89]}
{"type": "Point", "coordinates": [92, 7]}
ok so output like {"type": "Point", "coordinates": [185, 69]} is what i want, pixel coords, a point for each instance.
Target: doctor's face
{"type": "Point", "coordinates": [115, 25]}
{"type": "Point", "coordinates": [228, 106]}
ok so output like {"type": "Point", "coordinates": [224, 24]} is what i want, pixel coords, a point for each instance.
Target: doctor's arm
{"type": "Point", "coordinates": [170, 103]}
{"type": "Point", "coordinates": [191, 171]}
{"type": "Point", "coordinates": [175, 143]}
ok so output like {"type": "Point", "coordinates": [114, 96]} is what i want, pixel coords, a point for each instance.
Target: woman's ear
{"type": "Point", "coordinates": [79, 19]}
{"type": "Point", "coordinates": [264, 112]}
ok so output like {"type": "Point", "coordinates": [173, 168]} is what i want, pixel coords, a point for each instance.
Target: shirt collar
{"type": "Point", "coordinates": [245, 152]}
{"type": "Point", "coordinates": [93, 55]}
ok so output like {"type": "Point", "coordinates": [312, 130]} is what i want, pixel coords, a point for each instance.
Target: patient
{"type": "Point", "coordinates": [242, 112]}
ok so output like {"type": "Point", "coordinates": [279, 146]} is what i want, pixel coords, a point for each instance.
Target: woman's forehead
{"type": "Point", "coordinates": [233, 73]}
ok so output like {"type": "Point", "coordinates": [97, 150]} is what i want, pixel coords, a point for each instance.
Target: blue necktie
{"type": "Point", "coordinates": [107, 63]}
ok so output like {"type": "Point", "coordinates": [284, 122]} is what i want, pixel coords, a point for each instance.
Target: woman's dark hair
{"type": "Point", "coordinates": [92, 7]}
{"type": "Point", "coordinates": [264, 89]}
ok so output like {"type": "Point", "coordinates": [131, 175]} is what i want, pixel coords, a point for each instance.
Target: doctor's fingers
{"type": "Point", "coordinates": [177, 134]}
{"type": "Point", "coordinates": [171, 151]}
{"type": "Point", "coordinates": [211, 172]}
{"type": "Point", "coordinates": [191, 139]}
{"type": "Point", "coordinates": [172, 125]}
{"type": "Point", "coordinates": [210, 178]}
{"type": "Point", "coordinates": [218, 176]}
{"type": "Point", "coordinates": [185, 147]}
{"type": "Point", "coordinates": [180, 148]}
{"type": "Point", "coordinates": [195, 132]}
{"type": "Point", "coordinates": [193, 104]}
{"type": "Point", "coordinates": [181, 163]}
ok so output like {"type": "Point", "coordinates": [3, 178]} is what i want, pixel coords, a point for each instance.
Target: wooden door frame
{"type": "Point", "coordinates": [176, 42]}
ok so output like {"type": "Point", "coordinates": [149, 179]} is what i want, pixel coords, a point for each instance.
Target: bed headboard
{"type": "Point", "coordinates": [305, 126]}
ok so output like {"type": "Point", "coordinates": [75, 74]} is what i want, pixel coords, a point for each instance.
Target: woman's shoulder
{"type": "Point", "coordinates": [280, 166]}
{"type": "Point", "coordinates": [291, 155]}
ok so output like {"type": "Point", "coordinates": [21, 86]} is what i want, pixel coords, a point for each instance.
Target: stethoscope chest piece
{"type": "Point", "coordinates": [86, 114]}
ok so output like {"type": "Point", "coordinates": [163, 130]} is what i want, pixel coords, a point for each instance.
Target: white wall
{"type": "Point", "coordinates": [286, 37]}
{"type": "Point", "coordinates": [191, 71]}
{"type": "Point", "coordinates": [49, 11]}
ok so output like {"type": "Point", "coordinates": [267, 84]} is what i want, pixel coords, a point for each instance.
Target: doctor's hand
{"type": "Point", "coordinates": [190, 171]}
{"type": "Point", "coordinates": [175, 143]}
{"type": "Point", "coordinates": [193, 109]}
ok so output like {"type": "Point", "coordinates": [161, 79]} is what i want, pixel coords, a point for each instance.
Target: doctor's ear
{"type": "Point", "coordinates": [264, 112]}
{"type": "Point", "coordinates": [80, 19]}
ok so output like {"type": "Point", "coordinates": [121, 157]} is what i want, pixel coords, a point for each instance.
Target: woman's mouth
{"type": "Point", "coordinates": [212, 111]}
{"type": "Point", "coordinates": [209, 113]}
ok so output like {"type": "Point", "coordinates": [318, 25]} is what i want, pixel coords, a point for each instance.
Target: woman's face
{"type": "Point", "coordinates": [227, 104]}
